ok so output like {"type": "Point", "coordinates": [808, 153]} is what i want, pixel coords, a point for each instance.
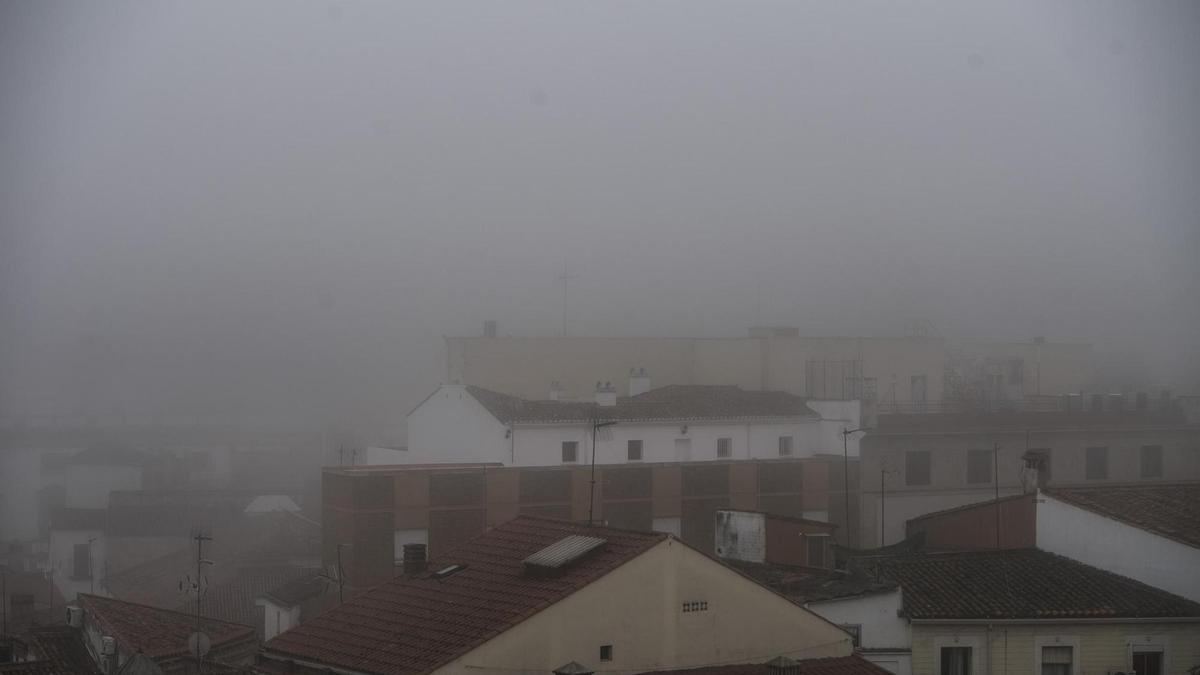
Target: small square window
{"type": "Point", "coordinates": [1096, 463]}
{"type": "Point", "coordinates": [1152, 461]}
{"type": "Point", "coordinates": [570, 452]}
{"type": "Point", "coordinates": [633, 451]}
{"type": "Point", "coordinates": [606, 652]}
{"type": "Point", "coordinates": [724, 447]}
{"type": "Point", "coordinates": [785, 446]}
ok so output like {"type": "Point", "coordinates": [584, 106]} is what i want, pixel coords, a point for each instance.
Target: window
{"type": "Point", "coordinates": [1152, 461]}
{"type": "Point", "coordinates": [979, 466]}
{"type": "Point", "coordinates": [1147, 662]}
{"type": "Point", "coordinates": [816, 550]}
{"type": "Point", "coordinates": [916, 467]}
{"type": "Point", "coordinates": [916, 385]}
{"type": "Point", "coordinates": [1096, 467]}
{"type": "Point", "coordinates": [606, 652]}
{"type": "Point", "coordinates": [570, 451]}
{"type": "Point", "coordinates": [785, 446]}
{"type": "Point", "coordinates": [633, 450]}
{"type": "Point", "coordinates": [855, 631]}
{"type": "Point", "coordinates": [956, 661]}
{"type": "Point", "coordinates": [724, 447]}
{"type": "Point", "coordinates": [1057, 659]}
{"type": "Point", "coordinates": [870, 388]}
{"type": "Point", "coordinates": [83, 562]}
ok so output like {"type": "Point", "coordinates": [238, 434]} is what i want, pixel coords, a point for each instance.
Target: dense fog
{"type": "Point", "coordinates": [280, 207]}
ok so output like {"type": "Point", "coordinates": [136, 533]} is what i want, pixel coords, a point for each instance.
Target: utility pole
{"type": "Point", "coordinates": [566, 278]}
{"type": "Point", "coordinates": [91, 568]}
{"type": "Point", "coordinates": [882, 503]}
{"type": "Point", "coordinates": [340, 575]}
{"type": "Point", "coordinates": [200, 563]}
{"type": "Point", "coordinates": [596, 424]}
{"type": "Point", "coordinates": [846, 476]}
{"type": "Point", "coordinates": [996, 483]}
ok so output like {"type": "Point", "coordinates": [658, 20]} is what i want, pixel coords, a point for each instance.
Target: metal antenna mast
{"type": "Point", "coordinates": [566, 278]}
{"type": "Point", "coordinates": [199, 586]}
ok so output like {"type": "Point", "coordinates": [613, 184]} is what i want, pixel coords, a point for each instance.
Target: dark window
{"type": "Point", "coordinates": [916, 467]}
{"type": "Point", "coordinates": [570, 451]}
{"type": "Point", "coordinates": [916, 385]}
{"type": "Point", "coordinates": [633, 450]}
{"type": "Point", "coordinates": [1148, 663]}
{"type": "Point", "coordinates": [724, 447]}
{"type": "Point", "coordinates": [775, 477]}
{"type": "Point", "coordinates": [855, 631]}
{"type": "Point", "coordinates": [629, 515]}
{"type": "Point", "coordinates": [956, 661]}
{"type": "Point", "coordinates": [83, 562]}
{"type": "Point", "coordinates": [1057, 660]}
{"type": "Point", "coordinates": [545, 486]}
{"type": "Point", "coordinates": [1152, 461]}
{"type": "Point", "coordinates": [979, 466]}
{"type": "Point", "coordinates": [606, 652]}
{"type": "Point", "coordinates": [816, 550]}
{"type": "Point", "coordinates": [1096, 463]}
{"type": "Point", "coordinates": [785, 446]}
{"type": "Point", "coordinates": [705, 479]}
{"type": "Point", "coordinates": [457, 489]}
{"type": "Point", "coordinates": [627, 483]}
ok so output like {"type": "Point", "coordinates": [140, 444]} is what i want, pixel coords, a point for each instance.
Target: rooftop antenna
{"type": "Point", "coordinates": [198, 643]}
{"type": "Point", "coordinates": [566, 278]}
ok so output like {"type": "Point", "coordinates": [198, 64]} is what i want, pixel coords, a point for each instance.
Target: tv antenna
{"type": "Point", "coordinates": [566, 278]}
{"type": "Point", "coordinates": [198, 643]}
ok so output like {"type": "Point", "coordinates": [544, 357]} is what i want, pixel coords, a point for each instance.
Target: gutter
{"type": "Point", "coordinates": [1017, 622]}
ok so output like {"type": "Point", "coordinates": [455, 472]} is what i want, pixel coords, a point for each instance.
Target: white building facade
{"type": "Point", "coordinates": [883, 636]}
{"type": "Point", "coordinates": [460, 424]}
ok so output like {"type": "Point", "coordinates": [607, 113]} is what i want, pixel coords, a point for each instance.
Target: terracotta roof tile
{"type": "Point", "coordinates": [1169, 510]}
{"type": "Point", "coordinates": [838, 665]}
{"type": "Point", "coordinates": [674, 402]}
{"type": "Point", "coordinates": [156, 632]}
{"type": "Point", "coordinates": [61, 647]}
{"type": "Point", "coordinates": [415, 624]}
{"type": "Point", "coordinates": [1017, 584]}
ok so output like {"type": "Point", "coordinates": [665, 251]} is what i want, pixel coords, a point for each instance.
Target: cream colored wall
{"type": "Point", "coordinates": [637, 609]}
{"type": "Point", "coordinates": [1050, 367]}
{"type": "Point", "coordinates": [1103, 648]}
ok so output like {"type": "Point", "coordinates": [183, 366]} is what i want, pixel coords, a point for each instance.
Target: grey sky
{"type": "Point", "coordinates": [269, 205]}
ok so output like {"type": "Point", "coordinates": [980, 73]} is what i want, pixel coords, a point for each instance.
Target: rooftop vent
{"type": "Point", "coordinates": [447, 571]}
{"type": "Point", "coordinates": [573, 668]}
{"type": "Point", "coordinates": [557, 557]}
{"type": "Point", "coordinates": [782, 665]}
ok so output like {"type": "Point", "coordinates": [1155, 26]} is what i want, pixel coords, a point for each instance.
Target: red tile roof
{"type": "Point", "coordinates": [156, 632]}
{"type": "Point", "coordinates": [61, 647]}
{"type": "Point", "coordinates": [1017, 584]}
{"type": "Point", "coordinates": [674, 402]}
{"type": "Point", "coordinates": [415, 624]}
{"type": "Point", "coordinates": [838, 665]}
{"type": "Point", "coordinates": [1168, 510]}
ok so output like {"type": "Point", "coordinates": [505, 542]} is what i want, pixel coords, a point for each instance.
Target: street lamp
{"type": "Point", "coordinates": [596, 424]}
{"type": "Point", "coordinates": [846, 476]}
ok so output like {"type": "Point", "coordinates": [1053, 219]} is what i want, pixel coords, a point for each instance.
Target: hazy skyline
{"type": "Point", "coordinates": [284, 205]}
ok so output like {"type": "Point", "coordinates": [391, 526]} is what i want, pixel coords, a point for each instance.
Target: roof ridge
{"type": "Point", "coordinates": [189, 617]}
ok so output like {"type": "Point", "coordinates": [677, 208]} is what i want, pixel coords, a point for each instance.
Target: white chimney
{"type": "Point", "coordinates": [639, 381]}
{"type": "Point", "coordinates": [556, 391]}
{"type": "Point", "coordinates": [606, 394]}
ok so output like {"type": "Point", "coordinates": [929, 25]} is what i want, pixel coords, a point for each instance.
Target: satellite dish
{"type": "Point", "coordinates": [199, 642]}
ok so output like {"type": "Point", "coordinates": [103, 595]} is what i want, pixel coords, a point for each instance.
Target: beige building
{"type": "Point", "coordinates": [534, 594]}
{"type": "Point", "coordinates": [907, 369]}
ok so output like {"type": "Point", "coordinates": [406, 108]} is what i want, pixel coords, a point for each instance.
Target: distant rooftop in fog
{"type": "Point", "coordinates": [673, 402]}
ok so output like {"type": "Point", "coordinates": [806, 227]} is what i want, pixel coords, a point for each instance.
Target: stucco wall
{"type": "Point", "coordinates": [1101, 648]}
{"type": "Point", "coordinates": [882, 626]}
{"type": "Point", "coordinates": [452, 426]}
{"type": "Point", "coordinates": [1102, 542]}
{"type": "Point", "coordinates": [637, 609]}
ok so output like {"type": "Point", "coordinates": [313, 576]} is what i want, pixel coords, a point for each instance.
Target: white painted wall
{"type": "Point", "coordinates": [741, 535]}
{"type": "Point", "coordinates": [882, 627]}
{"type": "Point", "coordinates": [62, 562]}
{"type": "Point", "coordinates": [451, 426]}
{"type": "Point", "coordinates": [1111, 545]}
{"type": "Point", "coordinates": [835, 417]}
{"type": "Point", "coordinates": [88, 487]}
{"type": "Point", "coordinates": [277, 618]}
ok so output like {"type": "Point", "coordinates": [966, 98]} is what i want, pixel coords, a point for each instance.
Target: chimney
{"type": "Point", "coordinates": [556, 391]}
{"type": "Point", "coordinates": [639, 381]}
{"type": "Point", "coordinates": [606, 394]}
{"type": "Point", "coordinates": [414, 559]}
{"type": "Point", "coordinates": [489, 328]}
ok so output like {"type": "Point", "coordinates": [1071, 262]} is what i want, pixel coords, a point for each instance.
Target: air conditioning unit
{"type": "Point", "coordinates": [75, 617]}
{"type": "Point", "coordinates": [108, 645]}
